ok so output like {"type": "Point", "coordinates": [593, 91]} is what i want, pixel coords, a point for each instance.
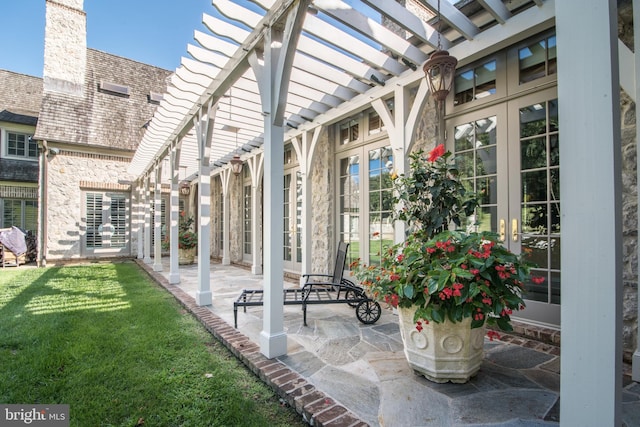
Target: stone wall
{"type": "Point", "coordinates": [65, 205]}
{"type": "Point", "coordinates": [629, 196]}
{"type": "Point", "coordinates": [65, 47]}
{"type": "Point", "coordinates": [324, 236]}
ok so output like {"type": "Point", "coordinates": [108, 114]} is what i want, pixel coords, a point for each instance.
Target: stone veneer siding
{"type": "Point", "coordinates": [65, 203]}
{"type": "Point", "coordinates": [629, 198]}
{"type": "Point", "coordinates": [65, 46]}
{"type": "Point", "coordinates": [324, 235]}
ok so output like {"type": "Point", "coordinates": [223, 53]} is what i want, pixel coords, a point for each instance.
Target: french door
{"type": "Point", "coordinates": [509, 155]}
{"type": "Point", "coordinates": [365, 222]}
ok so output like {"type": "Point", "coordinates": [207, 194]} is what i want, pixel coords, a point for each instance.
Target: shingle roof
{"type": "Point", "coordinates": [102, 118]}
{"type": "Point", "coordinates": [18, 170]}
{"type": "Point", "coordinates": [20, 98]}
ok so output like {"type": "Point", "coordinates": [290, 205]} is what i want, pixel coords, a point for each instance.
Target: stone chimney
{"type": "Point", "coordinates": [65, 47]}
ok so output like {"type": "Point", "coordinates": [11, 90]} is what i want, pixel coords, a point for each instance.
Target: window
{"type": "Point", "coordinates": [106, 223]}
{"type": "Point", "coordinates": [537, 60]}
{"type": "Point", "coordinates": [349, 131]}
{"type": "Point", "coordinates": [476, 83]}
{"type": "Point", "coordinates": [247, 223]}
{"type": "Point", "coordinates": [20, 213]}
{"type": "Point", "coordinates": [21, 145]}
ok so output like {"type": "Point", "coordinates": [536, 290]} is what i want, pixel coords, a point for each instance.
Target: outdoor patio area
{"type": "Point", "coordinates": [341, 372]}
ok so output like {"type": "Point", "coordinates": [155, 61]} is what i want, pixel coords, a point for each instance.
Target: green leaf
{"type": "Point", "coordinates": [504, 324]}
{"type": "Point", "coordinates": [408, 291]}
{"type": "Point", "coordinates": [437, 316]}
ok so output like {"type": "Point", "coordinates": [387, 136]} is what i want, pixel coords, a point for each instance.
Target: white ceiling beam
{"type": "Point", "coordinates": [497, 9]}
{"type": "Point", "coordinates": [451, 15]}
{"type": "Point", "coordinates": [375, 31]}
{"type": "Point", "coordinates": [307, 64]}
{"type": "Point", "coordinates": [351, 44]}
{"type": "Point", "coordinates": [410, 22]}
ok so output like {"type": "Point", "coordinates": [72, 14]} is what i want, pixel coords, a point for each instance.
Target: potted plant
{"type": "Point", "coordinates": [187, 240]}
{"type": "Point", "coordinates": [446, 284]}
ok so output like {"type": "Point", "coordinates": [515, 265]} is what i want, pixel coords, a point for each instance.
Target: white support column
{"type": "Point", "coordinates": [305, 150]}
{"type": "Point", "coordinates": [273, 77]}
{"type": "Point", "coordinates": [157, 220]}
{"type": "Point", "coordinates": [147, 220]}
{"type": "Point", "coordinates": [140, 217]}
{"type": "Point", "coordinates": [204, 130]}
{"type": "Point", "coordinates": [225, 178]}
{"type": "Point", "coordinates": [174, 269]}
{"type": "Point", "coordinates": [273, 339]}
{"type": "Point", "coordinates": [590, 184]}
{"type": "Point", "coordinates": [636, 78]}
{"type": "Point", "coordinates": [256, 165]}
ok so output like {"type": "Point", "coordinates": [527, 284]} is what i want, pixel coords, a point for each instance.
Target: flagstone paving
{"type": "Point", "coordinates": [339, 372]}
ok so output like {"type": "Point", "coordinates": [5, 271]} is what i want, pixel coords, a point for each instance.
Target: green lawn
{"type": "Point", "coordinates": [121, 352]}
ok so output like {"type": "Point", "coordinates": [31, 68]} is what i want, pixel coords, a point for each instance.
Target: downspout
{"type": "Point", "coordinates": [41, 259]}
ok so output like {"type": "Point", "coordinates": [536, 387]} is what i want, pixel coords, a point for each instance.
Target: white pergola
{"type": "Point", "coordinates": [270, 71]}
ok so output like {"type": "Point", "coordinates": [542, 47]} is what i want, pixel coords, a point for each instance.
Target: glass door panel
{"type": "Point", "coordinates": [534, 200]}
{"type": "Point", "coordinates": [476, 158]}
{"type": "Point", "coordinates": [540, 197]}
{"type": "Point", "coordinates": [349, 204]}
{"type": "Point", "coordinates": [380, 202]}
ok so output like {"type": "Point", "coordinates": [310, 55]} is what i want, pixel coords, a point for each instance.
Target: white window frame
{"type": "Point", "coordinates": [28, 134]}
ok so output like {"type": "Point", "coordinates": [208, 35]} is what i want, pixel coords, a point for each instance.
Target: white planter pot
{"type": "Point", "coordinates": [442, 352]}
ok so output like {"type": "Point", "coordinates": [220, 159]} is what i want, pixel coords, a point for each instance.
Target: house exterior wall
{"type": "Point", "coordinates": [630, 225]}
{"type": "Point", "coordinates": [629, 197]}
{"type": "Point", "coordinates": [323, 188]}
{"type": "Point", "coordinates": [65, 203]}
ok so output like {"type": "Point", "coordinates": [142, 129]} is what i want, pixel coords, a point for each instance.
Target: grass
{"type": "Point", "coordinates": [121, 352]}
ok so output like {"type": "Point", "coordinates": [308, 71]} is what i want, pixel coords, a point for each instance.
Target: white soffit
{"type": "Point", "coordinates": [346, 57]}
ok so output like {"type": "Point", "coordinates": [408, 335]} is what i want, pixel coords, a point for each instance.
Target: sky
{"type": "Point", "coordinates": [155, 32]}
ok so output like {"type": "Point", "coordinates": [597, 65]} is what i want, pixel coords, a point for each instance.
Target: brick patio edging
{"type": "Point", "coordinates": [316, 407]}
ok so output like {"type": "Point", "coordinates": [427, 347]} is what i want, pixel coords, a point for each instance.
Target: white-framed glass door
{"type": "Point", "coordinates": [365, 222]}
{"type": "Point", "coordinates": [508, 155]}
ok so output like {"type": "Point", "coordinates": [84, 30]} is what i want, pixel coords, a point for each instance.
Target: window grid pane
{"type": "Point", "coordinates": [247, 223]}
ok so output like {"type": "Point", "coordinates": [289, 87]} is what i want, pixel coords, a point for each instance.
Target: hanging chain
{"type": "Point", "coordinates": [439, 27]}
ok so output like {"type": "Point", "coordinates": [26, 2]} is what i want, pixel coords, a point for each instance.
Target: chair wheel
{"type": "Point", "coordinates": [368, 311]}
{"type": "Point", "coordinates": [354, 297]}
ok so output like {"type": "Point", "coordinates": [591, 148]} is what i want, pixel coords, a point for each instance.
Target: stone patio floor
{"type": "Point", "coordinates": [339, 372]}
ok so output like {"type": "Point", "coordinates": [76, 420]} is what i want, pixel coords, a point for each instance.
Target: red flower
{"type": "Point", "coordinates": [436, 153]}
{"type": "Point", "coordinates": [400, 257]}
{"type": "Point", "coordinates": [456, 289]}
{"type": "Point", "coordinates": [537, 279]}
{"type": "Point", "coordinates": [394, 277]}
{"type": "Point", "coordinates": [391, 300]}
{"type": "Point", "coordinates": [492, 335]}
